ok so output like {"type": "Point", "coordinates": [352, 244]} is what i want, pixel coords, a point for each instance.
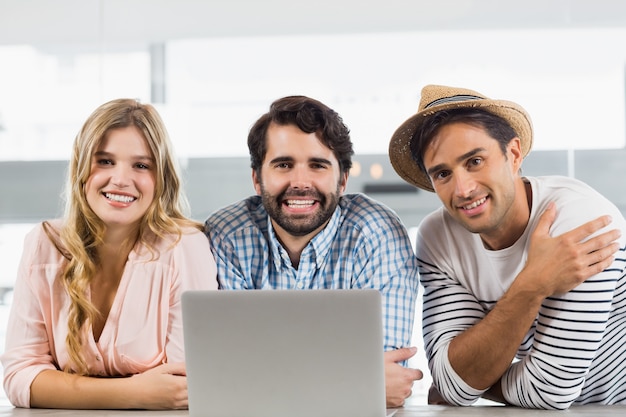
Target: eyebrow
{"type": "Point", "coordinates": [136, 157]}
{"type": "Point", "coordinates": [280, 159]}
{"type": "Point", "coordinates": [322, 161]}
{"type": "Point", "coordinates": [461, 158]}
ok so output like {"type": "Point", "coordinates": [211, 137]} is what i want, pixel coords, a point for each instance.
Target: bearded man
{"type": "Point", "coordinates": [302, 232]}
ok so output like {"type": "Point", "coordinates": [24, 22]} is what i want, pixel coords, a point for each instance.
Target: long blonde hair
{"type": "Point", "coordinates": [82, 232]}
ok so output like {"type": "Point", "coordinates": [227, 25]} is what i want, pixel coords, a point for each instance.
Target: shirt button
{"type": "Point", "coordinates": [300, 285]}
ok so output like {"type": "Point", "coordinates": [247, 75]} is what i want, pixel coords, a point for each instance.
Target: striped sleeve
{"type": "Point", "coordinates": [577, 351]}
{"type": "Point", "coordinates": [448, 310]}
{"type": "Point", "coordinates": [573, 354]}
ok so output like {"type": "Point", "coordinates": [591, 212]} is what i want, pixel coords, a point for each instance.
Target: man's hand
{"type": "Point", "coordinates": [398, 379]}
{"type": "Point", "coordinates": [482, 354]}
{"type": "Point", "coordinates": [559, 264]}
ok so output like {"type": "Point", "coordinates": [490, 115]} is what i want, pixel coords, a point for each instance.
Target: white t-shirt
{"type": "Point", "coordinates": [573, 353]}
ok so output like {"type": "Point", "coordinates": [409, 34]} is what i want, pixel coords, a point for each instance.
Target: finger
{"type": "Point", "coordinates": [415, 374]}
{"type": "Point", "coordinates": [603, 257]}
{"type": "Point", "coordinates": [584, 231]}
{"type": "Point", "coordinates": [546, 219]}
{"type": "Point", "coordinates": [400, 354]}
{"type": "Point", "coordinates": [604, 240]}
{"type": "Point", "coordinates": [595, 269]}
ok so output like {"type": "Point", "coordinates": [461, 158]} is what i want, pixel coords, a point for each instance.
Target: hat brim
{"type": "Point", "coordinates": [400, 145]}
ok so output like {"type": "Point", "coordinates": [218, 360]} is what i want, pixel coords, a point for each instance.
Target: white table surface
{"type": "Point", "coordinates": [407, 411]}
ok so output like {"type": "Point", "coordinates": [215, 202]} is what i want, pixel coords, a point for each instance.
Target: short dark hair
{"type": "Point", "coordinates": [310, 116]}
{"type": "Point", "coordinates": [495, 126]}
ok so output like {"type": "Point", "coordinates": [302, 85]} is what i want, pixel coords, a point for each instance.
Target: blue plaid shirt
{"type": "Point", "coordinates": [364, 245]}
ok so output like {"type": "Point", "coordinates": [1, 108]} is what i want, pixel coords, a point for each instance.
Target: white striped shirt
{"type": "Point", "coordinates": [574, 353]}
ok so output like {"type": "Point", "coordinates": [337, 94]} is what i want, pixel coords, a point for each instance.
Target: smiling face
{"type": "Point", "coordinates": [121, 184]}
{"type": "Point", "coordinates": [300, 182]}
{"type": "Point", "coordinates": [478, 184]}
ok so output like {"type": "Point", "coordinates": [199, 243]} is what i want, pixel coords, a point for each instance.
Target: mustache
{"type": "Point", "coordinates": [314, 194]}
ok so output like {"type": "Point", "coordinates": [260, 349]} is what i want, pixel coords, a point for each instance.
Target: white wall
{"type": "Point", "coordinates": [124, 21]}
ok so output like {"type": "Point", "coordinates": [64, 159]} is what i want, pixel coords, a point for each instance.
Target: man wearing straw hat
{"type": "Point", "coordinates": [524, 277]}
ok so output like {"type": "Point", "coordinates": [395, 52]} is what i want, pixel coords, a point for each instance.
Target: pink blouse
{"type": "Point", "coordinates": [144, 327]}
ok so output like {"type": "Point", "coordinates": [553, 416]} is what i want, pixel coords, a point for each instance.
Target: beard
{"type": "Point", "coordinates": [300, 224]}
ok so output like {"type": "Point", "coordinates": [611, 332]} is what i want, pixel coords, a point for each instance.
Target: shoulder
{"type": "Point", "coordinates": [574, 199]}
{"type": "Point", "coordinates": [565, 186]}
{"type": "Point", "coordinates": [189, 244]}
{"type": "Point", "coordinates": [237, 218]}
{"type": "Point", "coordinates": [565, 189]}
{"type": "Point", "coordinates": [192, 236]}
{"type": "Point", "coordinates": [189, 236]}
{"type": "Point", "coordinates": [361, 209]}
{"type": "Point", "coordinates": [438, 228]}
{"type": "Point", "coordinates": [41, 257]}
{"type": "Point", "coordinates": [370, 218]}
{"type": "Point", "coordinates": [576, 204]}
{"type": "Point", "coordinates": [438, 219]}
{"type": "Point", "coordinates": [39, 242]}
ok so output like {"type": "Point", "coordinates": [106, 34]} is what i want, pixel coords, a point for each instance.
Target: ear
{"type": "Point", "coordinates": [256, 182]}
{"type": "Point", "coordinates": [514, 152]}
{"type": "Point", "coordinates": [343, 182]}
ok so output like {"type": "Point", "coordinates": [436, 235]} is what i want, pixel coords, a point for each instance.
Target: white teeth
{"type": "Point", "coordinates": [300, 203]}
{"type": "Point", "coordinates": [119, 198]}
{"type": "Point", "coordinates": [475, 204]}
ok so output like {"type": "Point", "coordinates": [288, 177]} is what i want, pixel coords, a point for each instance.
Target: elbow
{"type": "Point", "coordinates": [544, 398]}
{"type": "Point", "coordinates": [538, 384]}
{"type": "Point", "coordinates": [559, 402]}
{"type": "Point", "coordinates": [452, 392]}
{"type": "Point", "coordinates": [17, 397]}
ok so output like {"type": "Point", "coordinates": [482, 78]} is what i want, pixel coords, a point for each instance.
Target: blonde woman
{"type": "Point", "coordinates": [96, 316]}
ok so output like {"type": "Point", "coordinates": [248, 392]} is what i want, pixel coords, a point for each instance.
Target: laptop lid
{"type": "Point", "coordinates": [284, 353]}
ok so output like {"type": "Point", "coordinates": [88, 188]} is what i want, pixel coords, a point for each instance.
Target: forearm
{"type": "Point", "coordinates": [398, 318]}
{"type": "Point", "coordinates": [397, 279]}
{"type": "Point", "coordinates": [482, 353]}
{"type": "Point", "coordinates": [58, 389]}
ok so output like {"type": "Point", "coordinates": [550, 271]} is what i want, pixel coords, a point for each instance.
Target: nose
{"type": "Point", "coordinates": [464, 184]}
{"type": "Point", "coordinates": [121, 176]}
{"type": "Point", "coordinates": [300, 178]}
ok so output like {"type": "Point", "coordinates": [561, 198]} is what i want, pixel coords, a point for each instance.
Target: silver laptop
{"type": "Point", "coordinates": [284, 353]}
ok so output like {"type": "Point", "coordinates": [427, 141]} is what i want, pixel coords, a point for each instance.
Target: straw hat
{"type": "Point", "coordinates": [437, 97]}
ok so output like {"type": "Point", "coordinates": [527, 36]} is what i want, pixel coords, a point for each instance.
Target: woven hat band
{"type": "Point", "coordinates": [453, 99]}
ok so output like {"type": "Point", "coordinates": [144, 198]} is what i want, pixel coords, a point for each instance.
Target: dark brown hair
{"type": "Point", "coordinates": [495, 126]}
{"type": "Point", "coordinates": [310, 116]}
